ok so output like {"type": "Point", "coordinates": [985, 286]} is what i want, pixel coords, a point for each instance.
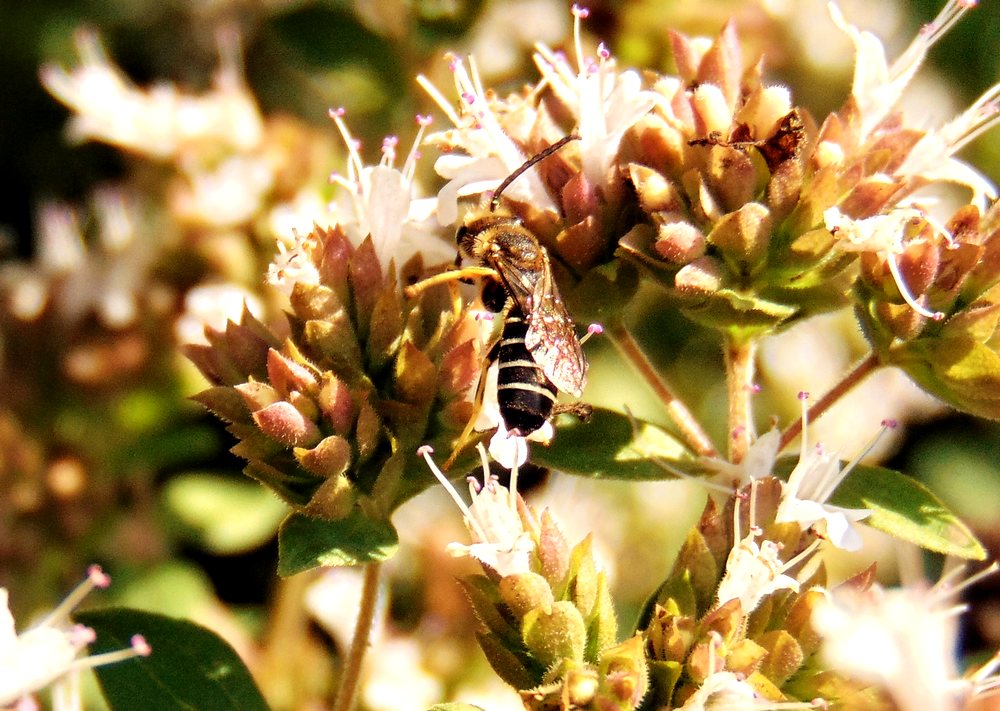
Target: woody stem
{"type": "Point", "coordinates": [347, 691]}
{"type": "Point", "coordinates": [857, 374]}
{"type": "Point", "coordinates": [690, 429]}
{"type": "Point", "coordinates": [740, 355]}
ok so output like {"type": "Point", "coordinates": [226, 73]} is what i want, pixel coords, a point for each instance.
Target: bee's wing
{"type": "Point", "coordinates": [519, 284]}
{"type": "Point", "coordinates": [552, 341]}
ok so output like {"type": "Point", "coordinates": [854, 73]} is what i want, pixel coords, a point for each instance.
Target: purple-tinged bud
{"type": "Point", "coordinates": [702, 277]}
{"type": "Point", "coordinates": [285, 375]}
{"type": "Point", "coordinates": [282, 421]}
{"type": "Point", "coordinates": [679, 242]}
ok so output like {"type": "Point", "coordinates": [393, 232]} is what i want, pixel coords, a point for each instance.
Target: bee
{"type": "Point", "coordinates": [538, 353]}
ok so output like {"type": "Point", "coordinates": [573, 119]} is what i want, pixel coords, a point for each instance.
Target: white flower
{"type": "Point", "coordinates": [878, 87]}
{"type": "Point", "coordinates": [604, 102]}
{"type": "Point", "coordinates": [294, 266]}
{"type": "Point", "coordinates": [902, 638]}
{"type": "Point", "coordinates": [721, 690]}
{"type": "Point", "coordinates": [500, 537]}
{"type": "Point", "coordinates": [887, 235]}
{"type": "Point", "coordinates": [49, 651]}
{"type": "Point", "coordinates": [813, 480]}
{"type": "Point", "coordinates": [158, 122]}
{"type": "Point", "coordinates": [932, 159]}
{"type": "Point", "coordinates": [109, 279]}
{"type": "Point", "coordinates": [492, 155]}
{"type": "Point", "coordinates": [225, 194]}
{"type": "Point", "coordinates": [378, 201]}
{"type": "Point", "coordinates": [726, 691]}
{"type": "Point", "coordinates": [753, 572]}
{"type": "Point", "coordinates": [212, 306]}
{"type": "Point", "coordinates": [758, 462]}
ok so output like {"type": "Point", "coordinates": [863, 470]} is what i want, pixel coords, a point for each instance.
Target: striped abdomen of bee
{"type": "Point", "coordinates": [524, 394]}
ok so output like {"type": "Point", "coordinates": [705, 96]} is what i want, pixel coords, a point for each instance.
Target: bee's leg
{"type": "Point", "coordinates": [580, 410]}
{"type": "Point", "coordinates": [477, 405]}
{"type": "Point", "coordinates": [448, 276]}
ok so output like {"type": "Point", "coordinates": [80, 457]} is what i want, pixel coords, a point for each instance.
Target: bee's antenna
{"type": "Point", "coordinates": [527, 164]}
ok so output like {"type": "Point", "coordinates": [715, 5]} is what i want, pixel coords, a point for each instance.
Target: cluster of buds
{"type": "Point", "coordinates": [732, 620]}
{"type": "Point", "coordinates": [333, 413]}
{"type": "Point", "coordinates": [548, 623]}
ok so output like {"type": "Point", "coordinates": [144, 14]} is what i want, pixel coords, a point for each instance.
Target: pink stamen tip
{"type": "Point", "coordinates": [484, 316]}
{"type": "Point", "coordinates": [602, 51]}
{"type": "Point", "coordinates": [968, 4]}
{"type": "Point", "coordinates": [140, 646]}
{"type": "Point", "coordinates": [474, 483]}
{"type": "Point", "coordinates": [754, 388]}
{"type": "Point", "coordinates": [468, 97]}
{"type": "Point", "coordinates": [425, 450]}
{"type": "Point", "coordinates": [937, 316]}
{"type": "Point", "coordinates": [98, 578]}
{"type": "Point", "coordinates": [738, 431]}
{"type": "Point", "coordinates": [390, 141]}
{"type": "Point", "coordinates": [595, 329]}
{"type": "Point", "coordinates": [582, 12]}
{"type": "Point", "coordinates": [356, 144]}
{"type": "Point", "coordinates": [454, 62]}
{"type": "Point", "coordinates": [417, 155]}
{"type": "Point", "coordinates": [424, 120]}
{"type": "Point", "coordinates": [803, 395]}
{"type": "Point", "coordinates": [339, 111]}
{"type": "Point", "coordinates": [890, 423]}
{"type": "Point", "coordinates": [81, 635]}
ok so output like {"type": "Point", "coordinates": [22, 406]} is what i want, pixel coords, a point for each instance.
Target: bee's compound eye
{"type": "Point", "coordinates": [462, 236]}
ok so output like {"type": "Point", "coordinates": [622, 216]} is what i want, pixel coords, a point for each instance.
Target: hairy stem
{"type": "Point", "coordinates": [351, 675]}
{"type": "Point", "coordinates": [740, 357]}
{"type": "Point", "coordinates": [682, 418]}
{"type": "Point", "coordinates": [857, 374]}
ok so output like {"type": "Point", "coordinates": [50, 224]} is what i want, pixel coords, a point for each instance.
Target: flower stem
{"type": "Point", "coordinates": [351, 675]}
{"type": "Point", "coordinates": [740, 355]}
{"type": "Point", "coordinates": [682, 418]}
{"type": "Point", "coordinates": [857, 374]}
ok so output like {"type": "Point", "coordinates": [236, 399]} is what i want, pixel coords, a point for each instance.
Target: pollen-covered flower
{"type": "Point", "coordinates": [902, 639]}
{"type": "Point", "coordinates": [50, 650]}
{"type": "Point", "coordinates": [813, 480]}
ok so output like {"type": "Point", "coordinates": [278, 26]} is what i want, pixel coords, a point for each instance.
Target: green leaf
{"type": "Point", "coordinates": [226, 515]}
{"type": "Point", "coordinates": [607, 447]}
{"type": "Point", "coordinates": [191, 668]}
{"type": "Point", "coordinates": [305, 543]}
{"type": "Point", "coordinates": [902, 507]}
